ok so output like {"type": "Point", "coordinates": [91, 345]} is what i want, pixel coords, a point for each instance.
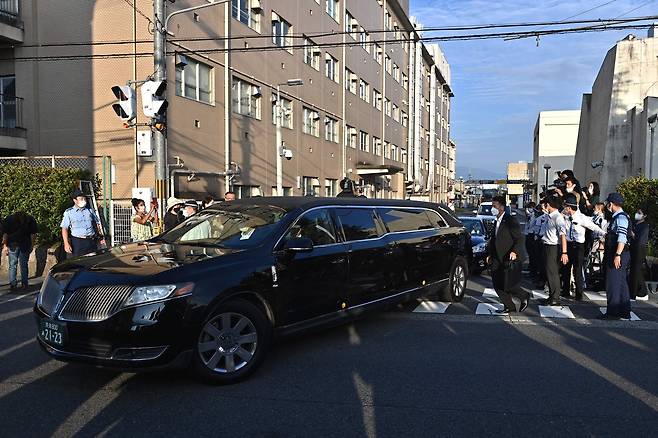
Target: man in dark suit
{"type": "Point", "coordinates": [505, 258]}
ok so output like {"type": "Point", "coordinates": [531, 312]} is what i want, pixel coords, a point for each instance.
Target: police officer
{"type": "Point", "coordinates": [577, 224]}
{"type": "Point", "coordinates": [617, 260]}
{"type": "Point", "coordinates": [81, 228]}
{"type": "Point", "coordinates": [347, 189]}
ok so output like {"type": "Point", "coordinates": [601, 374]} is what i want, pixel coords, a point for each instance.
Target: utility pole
{"type": "Point", "coordinates": [159, 136]}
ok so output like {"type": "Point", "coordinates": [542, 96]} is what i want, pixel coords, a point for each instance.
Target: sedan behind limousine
{"type": "Point", "coordinates": [214, 292]}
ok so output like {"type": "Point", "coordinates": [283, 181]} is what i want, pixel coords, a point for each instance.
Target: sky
{"type": "Point", "coordinates": [501, 86]}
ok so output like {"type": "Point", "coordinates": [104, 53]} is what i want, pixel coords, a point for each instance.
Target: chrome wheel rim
{"type": "Point", "coordinates": [458, 280]}
{"type": "Point", "coordinates": [227, 342]}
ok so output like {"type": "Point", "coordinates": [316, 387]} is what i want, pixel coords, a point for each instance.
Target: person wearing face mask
{"type": "Point", "coordinates": [539, 231]}
{"type": "Point", "coordinates": [530, 237]}
{"type": "Point", "coordinates": [174, 214]}
{"type": "Point", "coordinates": [617, 260]}
{"type": "Point", "coordinates": [640, 241]}
{"type": "Point", "coordinates": [592, 196]}
{"type": "Point", "coordinates": [81, 227]}
{"type": "Point", "coordinates": [555, 249]}
{"type": "Point", "coordinates": [141, 225]}
{"type": "Point", "coordinates": [505, 258]}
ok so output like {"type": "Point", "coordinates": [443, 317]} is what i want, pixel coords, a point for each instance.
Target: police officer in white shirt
{"type": "Point", "coordinates": [555, 249]}
{"type": "Point", "coordinates": [538, 230]}
{"type": "Point", "coordinates": [577, 224]}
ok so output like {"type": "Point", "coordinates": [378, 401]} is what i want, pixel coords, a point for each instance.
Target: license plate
{"type": "Point", "coordinates": [52, 332]}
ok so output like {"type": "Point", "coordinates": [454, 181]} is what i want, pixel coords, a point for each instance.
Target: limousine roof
{"type": "Point", "coordinates": [290, 203]}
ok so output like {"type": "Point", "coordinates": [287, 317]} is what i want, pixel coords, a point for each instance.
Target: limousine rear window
{"type": "Point", "coordinates": [315, 225]}
{"type": "Point", "coordinates": [399, 219]}
{"type": "Point", "coordinates": [357, 223]}
{"type": "Point", "coordinates": [436, 219]}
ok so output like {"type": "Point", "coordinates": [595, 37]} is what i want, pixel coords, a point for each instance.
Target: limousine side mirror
{"type": "Point", "coordinates": [299, 244]}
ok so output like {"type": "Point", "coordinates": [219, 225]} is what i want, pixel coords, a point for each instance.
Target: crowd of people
{"type": "Point", "coordinates": [574, 239]}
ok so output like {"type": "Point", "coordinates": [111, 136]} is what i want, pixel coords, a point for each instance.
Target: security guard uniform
{"type": "Point", "coordinates": [616, 284]}
{"type": "Point", "coordinates": [82, 224]}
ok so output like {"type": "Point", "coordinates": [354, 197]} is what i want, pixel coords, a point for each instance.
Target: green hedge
{"type": "Point", "coordinates": [640, 192]}
{"type": "Point", "coordinates": [42, 192]}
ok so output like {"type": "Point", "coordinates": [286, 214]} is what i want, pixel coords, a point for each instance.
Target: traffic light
{"type": "Point", "coordinates": [126, 107]}
{"type": "Point", "coordinates": [154, 103]}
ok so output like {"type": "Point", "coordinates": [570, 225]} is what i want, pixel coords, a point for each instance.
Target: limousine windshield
{"type": "Point", "coordinates": [235, 227]}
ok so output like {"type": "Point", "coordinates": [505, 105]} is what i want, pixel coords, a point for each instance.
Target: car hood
{"type": "Point", "coordinates": [142, 259]}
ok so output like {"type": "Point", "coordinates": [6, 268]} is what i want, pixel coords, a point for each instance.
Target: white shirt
{"type": "Point", "coordinates": [577, 224]}
{"type": "Point", "coordinates": [555, 227]}
{"type": "Point", "coordinates": [499, 219]}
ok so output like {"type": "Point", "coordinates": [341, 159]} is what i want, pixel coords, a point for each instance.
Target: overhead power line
{"type": "Point", "coordinates": [459, 28]}
{"type": "Point", "coordinates": [444, 38]}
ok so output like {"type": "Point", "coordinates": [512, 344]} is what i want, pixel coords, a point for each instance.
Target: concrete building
{"type": "Point", "coordinates": [614, 141]}
{"type": "Point", "coordinates": [519, 191]}
{"type": "Point", "coordinates": [374, 106]}
{"type": "Point", "coordinates": [555, 138]}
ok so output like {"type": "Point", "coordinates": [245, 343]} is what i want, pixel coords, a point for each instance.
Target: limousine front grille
{"type": "Point", "coordinates": [95, 303]}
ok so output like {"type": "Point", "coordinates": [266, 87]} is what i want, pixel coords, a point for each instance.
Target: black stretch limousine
{"type": "Point", "coordinates": [214, 291]}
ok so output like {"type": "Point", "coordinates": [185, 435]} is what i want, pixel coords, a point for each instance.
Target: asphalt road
{"type": "Point", "coordinates": [390, 375]}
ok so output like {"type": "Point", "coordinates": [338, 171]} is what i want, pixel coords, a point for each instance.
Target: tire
{"type": "Point", "coordinates": [456, 286]}
{"type": "Point", "coordinates": [232, 343]}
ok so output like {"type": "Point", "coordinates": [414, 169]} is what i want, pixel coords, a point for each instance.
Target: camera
{"type": "Point", "coordinates": [286, 153]}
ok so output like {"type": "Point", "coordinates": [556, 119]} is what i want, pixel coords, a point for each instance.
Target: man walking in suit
{"type": "Point", "coordinates": [504, 258]}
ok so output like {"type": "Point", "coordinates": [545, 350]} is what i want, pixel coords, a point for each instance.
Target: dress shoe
{"type": "Point", "coordinates": [504, 311]}
{"type": "Point", "coordinates": [524, 305]}
{"type": "Point", "coordinates": [550, 302]}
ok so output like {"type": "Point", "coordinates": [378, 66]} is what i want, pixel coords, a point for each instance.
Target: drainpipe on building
{"type": "Point", "coordinates": [227, 96]}
{"type": "Point", "coordinates": [418, 110]}
{"type": "Point", "coordinates": [432, 154]}
{"type": "Point", "coordinates": [412, 113]}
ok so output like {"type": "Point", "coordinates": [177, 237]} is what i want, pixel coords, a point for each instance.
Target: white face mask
{"type": "Point", "coordinates": [81, 204]}
{"type": "Point", "coordinates": [141, 208]}
{"type": "Point", "coordinates": [570, 189]}
{"type": "Point", "coordinates": [186, 213]}
{"type": "Point", "coordinates": [639, 216]}
{"type": "Point", "coordinates": [494, 211]}
{"type": "Point", "coordinates": [591, 190]}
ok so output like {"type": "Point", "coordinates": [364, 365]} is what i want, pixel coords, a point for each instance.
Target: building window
{"type": "Point", "coordinates": [311, 124]}
{"type": "Point", "coordinates": [377, 146]}
{"type": "Point", "coordinates": [246, 98]}
{"type": "Point", "coordinates": [387, 20]}
{"type": "Point", "coordinates": [364, 90]}
{"type": "Point", "coordinates": [377, 54]}
{"type": "Point", "coordinates": [377, 99]}
{"type": "Point", "coordinates": [394, 153]}
{"type": "Point", "coordinates": [351, 81]}
{"type": "Point", "coordinates": [388, 64]}
{"type": "Point", "coordinates": [195, 81]}
{"type": "Point", "coordinates": [364, 141]}
{"type": "Point", "coordinates": [331, 67]}
{"type": "Point", "coordinates": [387, 150]}
{"type": "Point", "coordinates": [349, 20]}
{"type": "Point", "coordinates": [396, 72]}
{"type": "Point", "coordinates": [281, 32]}
{"type": "Point", "coordinates": [330, 187]}
{"type": "Point", "coordinates": [286, 113]}
{"type": "Point", "coordinates": [310, 186]}
{"type": "Point", "coordinates": [331, 129]}
{"type": "Point", "coordinates": [396, 113]}
{"type": "Point", "coordinates": [364, 38]}
{"type": "Point", "coordinates": [404, 119]}
{"type": "Point", "coordinates": [405, 81]}
{"type": "Point", "coordinates": [387, 107]}
{"type": "Point", "coordinates": [311, 54]}
{"type": "Point", "coordinates": [244, 12]}
{"type": "Point", "coordinates": [350, 136]}
{"type": "Point", "coordinates": [403, 156]}
{"type": "Point", "coordinates": [287, 191]}
{"type": "Point", "coordinates": [332, 9]}
{"type": "Point", "coordinates": [242, 192]}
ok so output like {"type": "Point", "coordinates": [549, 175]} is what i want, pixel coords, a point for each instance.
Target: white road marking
{"type": "Point", "coordinates": [596, 296]}
{"type": "Point", "coordinates": [556, 312]}
{"type": "Point", "coordinates": [489, 309]}
{"type": "Point", "coordinates": [432, 307]}
{"type": "Point", "coordinates": [539, 295]}
{"type": "Point", "coordinates": [18, 297]}
{"type": "Point", "coordinates": [634, 317]}
{"type": "Point", "coordinates": [644, 298]}
{"type": "Point", "coordinates": [488, 292]}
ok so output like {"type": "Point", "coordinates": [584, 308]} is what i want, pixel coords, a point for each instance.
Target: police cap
{"type": "Point", "coordinates": [615, 198]}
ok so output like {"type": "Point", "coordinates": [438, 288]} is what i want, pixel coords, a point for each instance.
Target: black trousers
{"type": "Point", "coordinates": [552, 255]}
{"type": "Point", "coordinates": [83, 246]}
{"type": "Point", "coordinates": [505, 294]}
{"type": "Point", "coordinates": [538, 247]}
{"type": "Point", "coordinates": [636, 281]}
{"type": "Point", "coordinates": [616, 286]}
{"type": "Point", "coordinates": [576, 253]}
{"type": "Point", "coordinates": [530, 250]}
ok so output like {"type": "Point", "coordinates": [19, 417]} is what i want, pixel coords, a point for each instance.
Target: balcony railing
{"type": "Point", "coordinates": [10, 12]}
{"type": "Point", "coordinates": [11, 116]}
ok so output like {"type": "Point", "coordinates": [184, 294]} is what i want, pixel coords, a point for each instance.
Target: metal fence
{"type": "Point", "coordinates": [121, 217]}
{"type": "Point", "coordinates": [10, 12]}
{"type": "Point", "coordinates": [98, 167]}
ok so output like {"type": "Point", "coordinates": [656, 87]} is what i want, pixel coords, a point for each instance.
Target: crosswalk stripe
{"type": "Point", "coordinates": [539, 295]}
{"type": "Point", "coordinates": [556, 312]}
{"type": "Point", "coordinates": [432, 307]}
{"type": "Point", "coordinates": [488, 309]}
{"type": "Point", "coordinates": [488, 292]}
{"type": "Point", "coordinates": [634, 317]}
{"type": "Point", "coordinates": [596, 296]}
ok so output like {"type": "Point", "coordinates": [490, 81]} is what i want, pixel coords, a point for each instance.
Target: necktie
{"type": "Point", "coordinates": [571, 229]}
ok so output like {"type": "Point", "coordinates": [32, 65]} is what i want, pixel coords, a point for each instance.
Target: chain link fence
{"type": "Point", "coordinates": [122, 212]}
{"type": "Point", "coordinates": [100, 171]}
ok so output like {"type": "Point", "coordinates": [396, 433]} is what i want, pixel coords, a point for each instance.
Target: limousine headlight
{"type": "Point", "coordinates": [148, 294]}
{"type": "Point", "coordinates": [480, 247]}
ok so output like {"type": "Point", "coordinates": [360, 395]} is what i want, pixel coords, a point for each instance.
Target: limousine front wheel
{"type": "Point", "coordinates": [457, 280]}
{"type": "Point", "coordinates": [232, 343]}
